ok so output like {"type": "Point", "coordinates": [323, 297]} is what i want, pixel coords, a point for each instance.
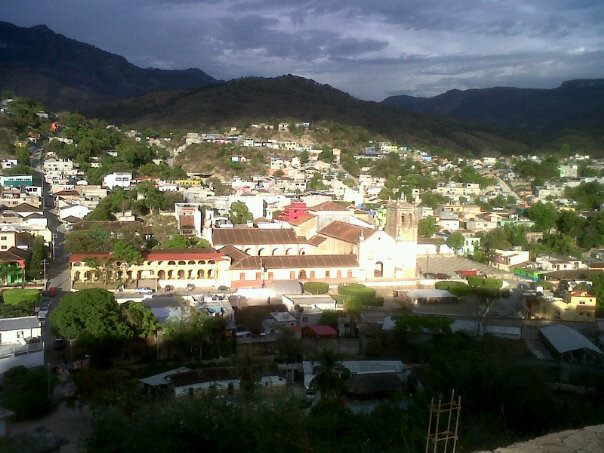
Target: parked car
{"type": "Point", "coordinates": [168, 287]}
{"type": "Point", "coordinates": [223, 288]}
{"type": "Point", "coordinates": [144, 290]}
{"type": "Point", "coordinates": [42, 314]}
{"type": "Point", "coordinates": [52, 291]}
{"type": "Point", "coordinates": [190, 287]}
{"type": "Point", "coordinates": [59, 344]}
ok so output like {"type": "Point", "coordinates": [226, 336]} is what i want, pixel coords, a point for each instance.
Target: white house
{"type": "Point", "coordinates": [117, 179]}
{"type": "Point", "coordinates": [20, 343]}
{"type": "Point", "coordinates": [77, 210]}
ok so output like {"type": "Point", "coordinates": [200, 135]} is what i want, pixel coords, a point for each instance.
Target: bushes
{"type": "Point", "coordinates": [481, 286]}
{"type": "Point", "coordinates": [460, 289]}
{"type": "Point", "coordinates": [360, 293]}
{"type": "Point", "coordinates": [316, 288]}
{"type": "Point", "coordinates": [25, 391]}
{"type": "Point", "coordinates": [484, 282]}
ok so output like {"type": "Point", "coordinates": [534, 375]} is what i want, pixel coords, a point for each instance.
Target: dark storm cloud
{"type": "Point", "coordinates": [368, 48]}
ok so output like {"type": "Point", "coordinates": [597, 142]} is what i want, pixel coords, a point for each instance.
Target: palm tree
{"type": "Point", "coordinates": [330, 376]}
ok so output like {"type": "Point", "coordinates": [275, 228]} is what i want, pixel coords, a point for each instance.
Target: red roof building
{"type": "Point", "coordinates": [293, 211]}
{"type": "Point", "coordinates": [320, 331]}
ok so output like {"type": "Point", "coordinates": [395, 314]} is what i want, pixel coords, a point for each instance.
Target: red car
{"type": "Point", "coordinates": [52, 291]}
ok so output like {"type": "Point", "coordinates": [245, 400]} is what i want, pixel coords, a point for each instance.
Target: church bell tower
{"type": "Point", "coordinates": [402, 220]}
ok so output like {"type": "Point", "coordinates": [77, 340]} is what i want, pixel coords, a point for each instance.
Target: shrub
{"type": "Point", "coordinates": [316, 288]}
{"type": "Point", "coordinates": [484, 282]}
{"type": "Point", "coordinates": [25, 391]}
{"type": "Point", "coordinates": [366, 296]}
{"type": "Point", "coordinates": [458, 288]}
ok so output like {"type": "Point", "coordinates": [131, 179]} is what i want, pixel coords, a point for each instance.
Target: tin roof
{"type": "Point", "coordinates": [254, 236]}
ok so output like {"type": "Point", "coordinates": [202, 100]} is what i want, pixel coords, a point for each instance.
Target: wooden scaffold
{"type": "Point", "coordinates": [441, 439]}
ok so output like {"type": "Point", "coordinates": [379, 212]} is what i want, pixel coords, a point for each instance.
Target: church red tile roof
{"type": "Point", "coordinates": [346, 232]}
{"type": "Point", "coordinates": [328, 206]}
{"type": "Point", "coordinates": [296, 262]}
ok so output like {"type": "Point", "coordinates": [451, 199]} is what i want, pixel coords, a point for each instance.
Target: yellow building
{"type": "Point", "coordinates": [576, 306]}
{"type": "Point", "coordinates": [201, 268]}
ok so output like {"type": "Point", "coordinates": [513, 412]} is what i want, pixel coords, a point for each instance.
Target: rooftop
{"type": "Point", "coordinates": [565, 339]}
{"type": "Point", "coordinates": [254, 236]}
{"type": "Point", "coordinates": [24, 322]}
{"type": "Point", "coordinates": [346, 232]}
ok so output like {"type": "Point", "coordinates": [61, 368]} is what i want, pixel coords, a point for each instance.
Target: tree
{"type": "Point", "coordinates": [90, 314]}
{"type": "Point", "coordinates": [38, 254]}
{"type": "Point", "coordinates": [330, 376]}
{"type": "Point", "coordinates": [304, 156]}
{"type": "Point", "coordinates": [428, 227]}
{"type": "Point", "coordinates": [85, 241]}
{"type": "Point", "coordinates": [456, 240]}
{"type": "Point", "coordinates": [25, 391]}
{"type": "Point", "coordinates": [597, 284]}
{"type": "Point", "coordinates": [239, 213]}
{"type": "Point", "coordinates": [23, 157]}
{"type": "Point", "coordinates": [326, 155]}
{"type": "Point", "coordinates": [544, 215]}
{"type": "Point", "coordinates": [288, 347]}
{"type": "Point", "coordinates": [141, 319]}
{"type": "Point", "coordinates": [568, 223]}
{"type": "Point", "coordinates": [126, 252]}
{"type": "Point", "coordinates": [433, 199]}
{"type": "Point", "coordinates": [180, 241]}
{"type": "Point", "coordinates": [218, 187]}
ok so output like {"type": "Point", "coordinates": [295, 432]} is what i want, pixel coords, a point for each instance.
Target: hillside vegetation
{"type": "Point", "coordinates": [572, 114]}
{"type": "Point", "coordinates": [295, 98]}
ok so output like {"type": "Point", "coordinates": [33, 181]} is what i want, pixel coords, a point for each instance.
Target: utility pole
{"type": "Point", "coordinates": [44, 262]}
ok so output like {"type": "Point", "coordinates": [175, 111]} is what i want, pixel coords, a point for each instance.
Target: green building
{"type": "Point", "coordinates": [16, 180]}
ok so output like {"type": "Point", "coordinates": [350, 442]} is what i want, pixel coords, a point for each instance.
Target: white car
{"type": "Point", "coordinates": [144, 291]}
{"type": "Point", "coordinates": [42, 314]}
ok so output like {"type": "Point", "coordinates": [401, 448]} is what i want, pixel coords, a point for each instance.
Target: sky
{"type": "Point", "coordinates": [369, 48]}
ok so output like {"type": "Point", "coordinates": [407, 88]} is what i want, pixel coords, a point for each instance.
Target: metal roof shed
{"type": "Point", "coordinates": [569, 345]}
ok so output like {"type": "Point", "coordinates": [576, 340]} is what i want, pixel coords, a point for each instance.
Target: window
{"type": "Point", "coordinates": [3, 238]}
{"type": "Point", "coordinates": [4, 247]}
{"type": "Point", "coordinates": [242, 276]}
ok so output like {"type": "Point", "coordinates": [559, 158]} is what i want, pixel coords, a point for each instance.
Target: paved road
{"type": "Point", "coordinates": [448, 264]}
{"type": "Point", "coordinates": [58, 274]}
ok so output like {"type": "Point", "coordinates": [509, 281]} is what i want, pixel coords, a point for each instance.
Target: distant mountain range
{"type": "Point", "coordinates": [64, 73]}
{"type": "Point", "coordinates": [291, 97]}
{"type": "Point", "coordinates": [576, 104]}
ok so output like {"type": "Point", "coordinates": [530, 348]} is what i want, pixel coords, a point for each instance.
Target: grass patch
{"type": "Point", "coordinates": [316, 288]}
{"type": "Point", "coordinates": [18, 296]}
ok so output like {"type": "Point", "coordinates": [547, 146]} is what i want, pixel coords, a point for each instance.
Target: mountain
{"type": "Point", "coordinates": [64, 73]}
{"type": "Point", "coordinates": [291, 97]}
{"type": "Point", "coordinates": [574, 105]}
